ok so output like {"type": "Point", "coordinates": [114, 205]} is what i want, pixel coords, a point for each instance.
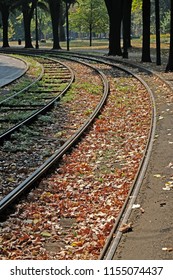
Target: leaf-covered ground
{"type": "Point", "coordinates": [71, 213]}
{"type": "Point", "coordinates": [29, 147]}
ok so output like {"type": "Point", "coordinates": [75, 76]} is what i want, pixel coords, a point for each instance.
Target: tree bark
{"type": "Point", "coordinates": [114, 9]}
{"type": "Point", "coordinates": [169, 67]}
{"type": "Point", "coordinates": [157, 14]}
{"type": "Point", "coordinates": [27, 16]}
{"type": "Point", "coordinates": [54, 6]}
{"type": "Point", "coordinates": [5, 16]}
{"type": "Point", "coordinates": [61, 23]}
{"type": "Point", "coordinates": [125, 27]}
{"type": "Point", "coordinates": [129, 10]}
{"type": "Point", "coordinates": [146, 31]}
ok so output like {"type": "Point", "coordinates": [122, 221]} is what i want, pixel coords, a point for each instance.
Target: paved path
{"type": "Point", "coordinates": [10, 69]}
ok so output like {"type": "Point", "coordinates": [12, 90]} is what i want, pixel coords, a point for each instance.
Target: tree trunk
{"type": "Point", "coordinates": [62, 33]}
{"type": "Point", "coordinates": [125, 28]}
{"type": "Point", "coordinates": [129, 9]}
{"type": "Point", "coordinates": [5, 16]}
{"type": "Point", "coordinates": [61, 23]}
{"type": "Point", "coordinates": [55, 11]}
{"type": "Point", "coordinates": [169, 67]}
{"type": "Point", "coordinates": [146, 31]}
{"type": "Point", "coordinates": [27, 16]}
{"type": "Point", "coordinates": [157, 15]}
{"type": "Point", "coordinates": [27, 23]}
{"type": "Point", "coordinates": [114, 9]}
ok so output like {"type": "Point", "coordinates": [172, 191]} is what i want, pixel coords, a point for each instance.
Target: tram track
{"type": "Point", "coordinates": [63, 147]}
{"type": "Point", "coordinates": [24, 106]}
{"type": "Point", "coordinates": [116, 233]}
{"type": "Point", "coordinates": [34, 73]}
{"type": "Point", "coordinates": [132, 193]}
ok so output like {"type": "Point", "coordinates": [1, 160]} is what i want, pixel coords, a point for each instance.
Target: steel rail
{"type": "Point", "coordinates": [42, 110]}
{"type": "Point", "coordinates": [35, 176]}
{"type": "Point", "coordinates": [115, 235]}
{"type": "Point", "coordinates": [113, 241]}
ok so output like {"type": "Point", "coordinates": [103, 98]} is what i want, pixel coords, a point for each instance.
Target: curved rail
{"type": "Point", "coordinates": [42, 110]}
{"type": "Point", "coordinates": [115, 235]}
{"type": "Point", "coordinates": [112, 242]}
{"type": "Point", "coordinates": [26, 88]}
{"type": "Point", "coordinates": [13, 195]}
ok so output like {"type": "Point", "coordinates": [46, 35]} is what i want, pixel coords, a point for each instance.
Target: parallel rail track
{"type": "Point", "coordinates": [29, 99]}
{"type": "Point", "coordinates": [115, 235]}
{"type": "Point", "coordinates": [25, 185]}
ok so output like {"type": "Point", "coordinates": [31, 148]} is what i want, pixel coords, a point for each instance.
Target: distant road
{"type": "Point", "coordinates": [10, 69]}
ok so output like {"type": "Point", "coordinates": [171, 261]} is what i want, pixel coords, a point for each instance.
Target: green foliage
{"type": "Point", "coordinates": [86, 14]}
{"type": "Point", "coordinates": [165, 23]}
{"type": "Point", "coordinates": [136, 5]}
{"type": "Point", "coordinates": [11, 31]}
{"type": "Point", "coordinates": [136, 17]}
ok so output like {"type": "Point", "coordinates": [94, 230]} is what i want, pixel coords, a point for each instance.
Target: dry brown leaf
{"type": "Point", "coordinates": [169, 249]}
{"type": "Point", "coordinates": [142, 210]}
{"type": "Point", "coordinates": [126, 228]}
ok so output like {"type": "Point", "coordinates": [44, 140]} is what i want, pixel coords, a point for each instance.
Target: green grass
{"type": "Point", "coordinates": [73, 44]}
{"type": "Point", "coordinates": [97, 43]}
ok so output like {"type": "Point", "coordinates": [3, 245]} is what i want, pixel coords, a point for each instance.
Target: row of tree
{"type": "Point", "coordinates": [119, 13]}
{"type": "Point", "coordinates": [120, 17]}
{"type": "Point", "coordinates": [28, 7]}
{"type": "Point", "coordinates": [85, 18]}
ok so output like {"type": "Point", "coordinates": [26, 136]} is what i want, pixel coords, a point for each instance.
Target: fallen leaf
{"type": "Point", "coordinates": [170, 249]}
{"type": "Point", "coordinates": [24, 238]}
{"type": "Point", "coordinates": [35, 221]}
{"type": "Point", "coordinates": [157, 175]}
{"type": "Point", "coordinates": [166, 188]}
{"type": "Point", "coordinates": [45, 234]}
{"type": "Point", "coordinates": [126, 228]}
{"type": "Point", "coordinates": [135, 206]}
{"type": "Point", "coordinates": [77, 244]}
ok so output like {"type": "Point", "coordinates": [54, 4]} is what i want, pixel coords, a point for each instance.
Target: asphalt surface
{"type": "Point", "coordinates": [10, 69]}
